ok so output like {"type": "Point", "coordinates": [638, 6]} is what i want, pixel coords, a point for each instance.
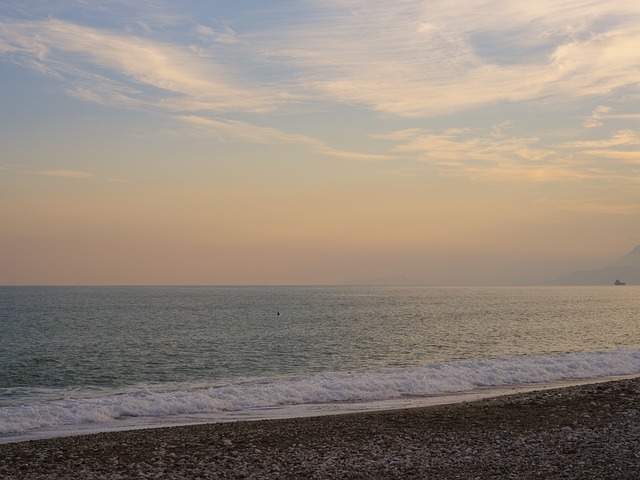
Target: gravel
{"type": "Point", "coordinates": [581, 432]}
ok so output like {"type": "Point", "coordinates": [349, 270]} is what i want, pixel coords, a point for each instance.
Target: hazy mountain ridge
{"type": "Point", "coordinates": [625, 268]}
{"type": "Point", "coordinates": [631, 259]}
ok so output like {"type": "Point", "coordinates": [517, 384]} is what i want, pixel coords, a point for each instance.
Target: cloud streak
{"type": "Point", "coordinates": [482, 154]}
{"type": "Point", "coordinates": [478, 154]}
{"type": "Point", "coordinates": [407, 59]}
{"type": "Point", "coordinates": [602, 113]}
{"type": "Point", "coordinates": [128, 67]}
{"type": "Point", "coordinates": [245, 132]}
{"type": "Point", "coordinates": [413, 59]}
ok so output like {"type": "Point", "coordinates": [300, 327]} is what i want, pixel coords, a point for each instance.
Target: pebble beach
{"type": "Point", "coordinates": [580, 432]}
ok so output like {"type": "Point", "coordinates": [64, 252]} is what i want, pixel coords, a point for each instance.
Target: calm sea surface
{"type": "Point", "coordinates": [77, 356]}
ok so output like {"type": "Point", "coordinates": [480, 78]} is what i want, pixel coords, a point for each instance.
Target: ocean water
{"type": "Point", "coordinates": [79, 359]}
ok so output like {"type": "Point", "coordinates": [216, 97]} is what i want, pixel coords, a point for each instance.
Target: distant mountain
{"type": "Point", "coordinates": [631, 259]}
{"type": "Point", "coordinates": [626, 268]}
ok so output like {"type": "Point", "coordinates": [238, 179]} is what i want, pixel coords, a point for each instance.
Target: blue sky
{"type": "Point", "coordinates": [317, 141]}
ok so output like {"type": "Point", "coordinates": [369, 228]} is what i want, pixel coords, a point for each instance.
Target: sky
{"type": "Point", "coordinates": [316, 141]}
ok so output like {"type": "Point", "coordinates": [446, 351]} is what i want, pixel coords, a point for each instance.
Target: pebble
{"type": "Point", "coordinates": [583, 432]}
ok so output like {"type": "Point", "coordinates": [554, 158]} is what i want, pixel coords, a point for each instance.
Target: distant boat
{"type": "Point", "coordinates": [618, 282]}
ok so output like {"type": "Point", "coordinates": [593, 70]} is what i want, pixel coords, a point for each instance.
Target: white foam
{"type": "Point", "coordinates": [142, 407]}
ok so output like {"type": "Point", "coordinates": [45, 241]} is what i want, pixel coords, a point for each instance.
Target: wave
{"type": "Point", "coordinates": [168, 401]}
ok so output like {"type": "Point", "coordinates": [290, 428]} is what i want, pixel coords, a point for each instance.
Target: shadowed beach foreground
{"type": "Point", "coordinates": [582, 432]}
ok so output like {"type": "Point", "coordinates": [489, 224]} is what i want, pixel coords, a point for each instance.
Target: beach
{"type": "Point", "coordinates": [581, 432]}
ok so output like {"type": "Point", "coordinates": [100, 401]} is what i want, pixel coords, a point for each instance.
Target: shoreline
{"type": "Point", "coordinates": [591, 430]}
{"type": "Point", "coordinates": [304, 410]}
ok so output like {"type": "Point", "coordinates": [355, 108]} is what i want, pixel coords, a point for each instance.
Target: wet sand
{"type": "Point", "coordinates": [580, 432]}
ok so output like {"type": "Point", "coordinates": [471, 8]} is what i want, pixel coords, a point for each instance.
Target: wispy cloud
{"type": "Point", "coordinates": [461, 146]}
{"type": "Point", "coordinates": [406, 58]}
{"type": "Point", "coordinates": [129, 68]}
{"type": "Point", "coordinates": [632, 157]}
{"type": "Point", "coordinates": [482, 154]}
{"type": "Point", "coordinates": [595, 119]}
{"type": "Point", "coordinates": [619, 138]}
{"type": "Point", "coordinates": [223, 129]}
{"type": "Point", "coordinates": [414, 59]}
{"type": "Point", "coordinates": [621, 146]}
{"type": "Point", "coordinates": [602, 113]}
{"type": "Point", "coordinates": [224, 35]}
{"type": "Point", "coordinates": [598, 65]}
{"type": "Point", "coordinates": [123, 70]}
{"type": "Point", "coordinates": [242, 131]}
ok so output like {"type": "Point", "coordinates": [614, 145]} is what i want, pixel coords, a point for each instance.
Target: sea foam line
{"type": "Point", "coordinates": [367, 386]}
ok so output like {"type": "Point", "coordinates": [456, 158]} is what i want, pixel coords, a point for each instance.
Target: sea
{"type": "Point", "coordinates": [90, 359]}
